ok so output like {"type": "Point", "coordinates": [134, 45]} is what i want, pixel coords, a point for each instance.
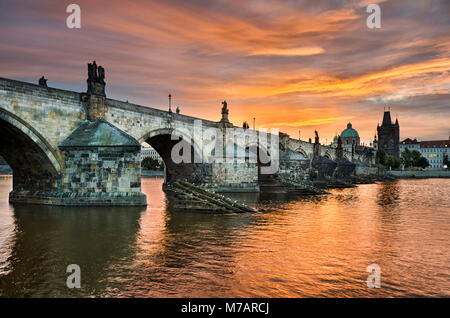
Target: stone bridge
{"type": "Point", "coordinates": [70, 148]}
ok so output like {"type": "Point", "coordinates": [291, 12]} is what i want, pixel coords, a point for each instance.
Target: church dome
{"type": "Point", "coordinates": [349, 132]}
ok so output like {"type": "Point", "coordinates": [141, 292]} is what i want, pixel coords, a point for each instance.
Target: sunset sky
{"type": "Point", "coordinates": [294, 65]}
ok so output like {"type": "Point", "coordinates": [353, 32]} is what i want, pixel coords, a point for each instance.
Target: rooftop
{"type": "Point", "coordinates": [349, 132]}
{"type": "Point", "coordinates": [99, 134]}
{"type": "Point", "coordinates": [427, 143]}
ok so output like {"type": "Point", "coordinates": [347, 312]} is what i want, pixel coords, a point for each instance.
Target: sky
{"type": "Point", "coordinates": [298, 66]}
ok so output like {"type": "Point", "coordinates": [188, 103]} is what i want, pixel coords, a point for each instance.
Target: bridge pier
{"type": "Point", "coordinates": [102, 167]}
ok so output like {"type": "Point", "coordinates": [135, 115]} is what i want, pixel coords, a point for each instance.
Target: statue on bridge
{"type": "Point", "coordinates": [316, 140]}
{"type": "Point", "coordinates": [224, 122]}
{"type": "Point", "coordinates": [92, 71]}
{"type": "Point", "coordinates": [101, 75]}
{"type": "Point", "coordinates": [339, 149]}
{"type": "Point", "coordinates": [316, 147]}
{"type": "Point", "coordinates": [225, 111]}
{"type": "Point", "coordinates": [96, 79]}
{"type": "Point", "coordinates": [224, 107]}
{"type": "Point", "coordinates": [43, 81]}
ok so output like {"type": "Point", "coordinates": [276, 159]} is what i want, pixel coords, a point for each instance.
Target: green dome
{"type": "Point", "coordinates": [349, 132]}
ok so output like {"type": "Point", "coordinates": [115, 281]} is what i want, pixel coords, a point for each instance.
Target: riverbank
{"type": "Point", "coordinates": [419, 174]}
{"type": "Point", "coordinates": [152, 173]}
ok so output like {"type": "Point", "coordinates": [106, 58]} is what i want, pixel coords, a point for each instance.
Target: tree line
{"type": "Point", "coordinates": [152, 164]}
{"type": "Point", "coordinates": [408, 158]}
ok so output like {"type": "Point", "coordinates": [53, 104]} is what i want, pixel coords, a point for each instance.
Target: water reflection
{"type": "Point", "coordinates": [295, 246]}
{"type": "Point", "coordinates": [48, 238]}
{"type": "Point", "coordinates": [388, 195]}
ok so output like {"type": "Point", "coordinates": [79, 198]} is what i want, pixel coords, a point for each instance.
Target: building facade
{"type": "Point", "coordinates": [389, 136]}
{"type": "Point", "coordinates": [433, 150]}
{"type": "Point", "coordinates": [150, 152]}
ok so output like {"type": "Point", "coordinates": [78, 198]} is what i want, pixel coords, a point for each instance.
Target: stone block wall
{"type": "Point", "coordinates": [102, 175]}
{"type": "Point", "coordinates": [102, 169]}
{"type": "Point", "coordinates": [297, 170]}
{"type": "Point", "coordinates": [362, 169]}
{"type": "Point", "coordinates": [235, 177]}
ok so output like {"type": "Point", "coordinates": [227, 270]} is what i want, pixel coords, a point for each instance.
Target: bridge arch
{"type": "Point", "coordinates": [328, 154]}
{"type": "Point", "coordinates": [302, 152]}
{"type": "Point", "coordinates": [35, 164]}
{"type": "Point", "coordinates": [169, 132]}
{"type": "Point", "coordinates": [161, 140]}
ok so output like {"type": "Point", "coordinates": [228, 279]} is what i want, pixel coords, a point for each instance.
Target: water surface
{"type": "Point", "coordinates": [295, 246]}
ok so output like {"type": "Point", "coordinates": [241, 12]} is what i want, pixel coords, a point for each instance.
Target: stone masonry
{"type": "Point", "coordinates": [103, 166]}
{"type": "Point", "coordinates": [37, 122]}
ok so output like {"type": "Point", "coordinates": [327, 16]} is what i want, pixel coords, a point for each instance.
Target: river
{"type": "Point", "coordinates": [314, 246]}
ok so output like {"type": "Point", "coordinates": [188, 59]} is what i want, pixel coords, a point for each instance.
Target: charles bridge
{"type": "Point", "coordinates": [70, 148]}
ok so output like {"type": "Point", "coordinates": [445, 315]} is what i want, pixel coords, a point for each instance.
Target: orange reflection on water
{"type": "Point", "coordinates": [293, 247]}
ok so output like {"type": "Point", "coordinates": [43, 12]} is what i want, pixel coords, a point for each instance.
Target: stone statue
{"type": "Point", "coordinates": [101, 74]}
{"type": "Point", "coordinates": [43, 81]}
{"type": "Point", "coordinates": [225, 107]}
{"type": "Point", "coordinates": [96, 79]}
{"type": "Point", "coordinates": [94, 68]}
{"type": "Point", "coordinates": [225, 112]}
{"type": "Point", "coordinates": [245, 125]}
{"type": "Point", "coordinates": [178, 110]}
{"type": "Point", "coordinates": [339, 150]}
{"type": "Point", "coordinates": [316, 140]}
{"type": "Point", "coordinates": [92, 72]}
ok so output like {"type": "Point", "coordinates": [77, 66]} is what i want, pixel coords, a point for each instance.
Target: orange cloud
{"type": "Point", "coordinates": [288, 64]}
{"type": "Point", "coordinates": [310, 122]}
{"type": "Point", "coordinates": [301, 51]}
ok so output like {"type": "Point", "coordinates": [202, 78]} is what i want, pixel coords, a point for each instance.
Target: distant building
{"type": "Point", "coordinates": [375, 143]}
{"type": "Point", "coordinates": [150, 152]}
{"type": "Point", "coordinates": [433, 150]}
{"type": "Point", "coordinates": [348, 137]}
{"type": "Point", "coordinates": [389, 136]}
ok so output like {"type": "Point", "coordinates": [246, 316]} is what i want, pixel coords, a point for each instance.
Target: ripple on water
{"type": "Point", "coordinates": [311, 246]}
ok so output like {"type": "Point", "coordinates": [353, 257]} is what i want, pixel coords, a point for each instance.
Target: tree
{"type": "Point", "coordinates": [393, 162]}
{"type": "Point", "coordinates": [445, 162]}
{"type": "Point", "coordinates": [422, 162]}
{"type": "Point", "coordinates": [407, 158]}
{"type": "Point", "coordinates": [388, 161]}
{"type": "Point", "coordinates": [381, 156]}
{"type": "Point", "coordinates": [414, 159]}
{"type": "Point", "coordinates": [151, 164]}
